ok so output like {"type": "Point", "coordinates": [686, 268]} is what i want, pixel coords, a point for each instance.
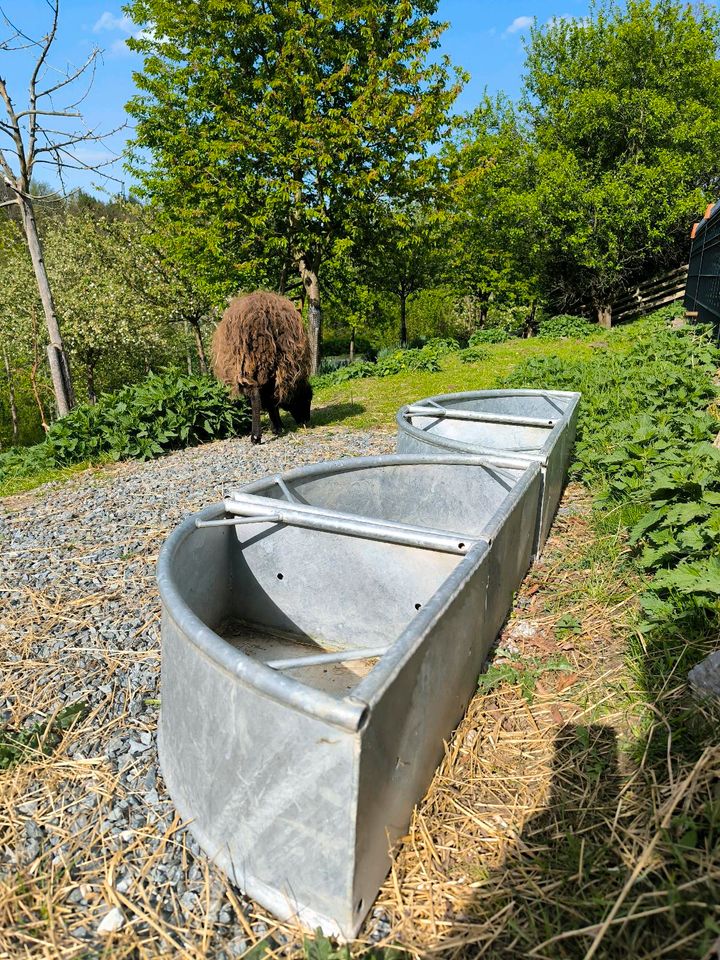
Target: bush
{"type": "Point", "coordinates": [474, 355]}
{"type": "Point", "coordinates": [335, 346]}
{"type": "Point", "coordinates": [163, 412]}
{"type": "Point", "coordinates": [566, 325]}
{"type": "Point", "coordinates": [489, 335]}
{"type": "Point", "coordinates": [18, 462]}
{"type": "Point", "coordinates": [328, 364]}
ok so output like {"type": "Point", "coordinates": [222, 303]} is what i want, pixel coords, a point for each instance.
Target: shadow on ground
{"type": "Point", "coordinates": [576, 814]}
{"type": "Point", "coordinates": [335, 413]}
{"type": "Point", "coordinates": [613, 867]}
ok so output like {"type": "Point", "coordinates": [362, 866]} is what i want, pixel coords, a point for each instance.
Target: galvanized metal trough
{"type": "Point", "coordinates": [529, 425]}
{"type": "Point", "coordinates": [323, 632]}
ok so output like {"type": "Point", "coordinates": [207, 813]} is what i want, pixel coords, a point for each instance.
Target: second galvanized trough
{"type": "Point", "coordinates": [529, 425]}
{"type": "Point", "coordinates": [323, 632]}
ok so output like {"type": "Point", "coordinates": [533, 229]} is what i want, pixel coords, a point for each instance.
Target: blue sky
{"type": "Point", "coordinates": [483, 37]}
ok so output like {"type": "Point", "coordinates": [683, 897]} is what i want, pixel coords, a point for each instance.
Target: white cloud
{"type": "Point", "coordinates": [119, 47]}
{"type": "Point", "coordinates": [108, 21]}
{"type": "Point", "coordinates": [519, 24]}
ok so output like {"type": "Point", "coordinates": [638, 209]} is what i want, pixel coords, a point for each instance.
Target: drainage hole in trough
{"type": "Point", "coordinates": [417, 606]}
{"type": "Point", "coordinates": [279, 576]}
{"type": "Point", "coordinates": [460, 546]}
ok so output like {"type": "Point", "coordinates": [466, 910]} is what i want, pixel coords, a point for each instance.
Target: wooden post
{"type": "Point", "coordinates": [604, 314]}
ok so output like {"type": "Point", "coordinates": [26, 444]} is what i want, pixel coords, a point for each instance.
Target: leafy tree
{"type": "Point", "coordinates": [275, 127]}
{"type": "Point", "coordinates": [112, 328]}
{"type": "Point", "coordinates": [23, 339]}
{"type": "Point", "coordinates": [490, 167]}
{"type": "Point", "coordinates": [356, 312]}
{"type": "Point", "coordinates": [405, 253]}
{"type": "Point", "coordinates": [623, 109]}
{"type": "Point", "coordinates": [118, 301]}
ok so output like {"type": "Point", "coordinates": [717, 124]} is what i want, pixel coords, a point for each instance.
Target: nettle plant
{"type": "Point", "coordinates": [164, 412]}
{"type": "Point", "coordinates": [644, 442]}
{"type": "Point", "coordinates": [679, 538]}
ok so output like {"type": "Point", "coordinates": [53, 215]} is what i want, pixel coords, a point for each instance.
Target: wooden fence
{"type": "Point", "coordinates": [651, 295]}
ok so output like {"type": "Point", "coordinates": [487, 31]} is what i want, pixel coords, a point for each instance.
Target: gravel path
{"type": "Point", "coordinates": [89, 843]}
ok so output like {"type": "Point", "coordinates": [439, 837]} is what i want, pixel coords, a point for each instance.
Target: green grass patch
{"type": "Point", "coordinates": [373, 402]}
{"type": "Point", "coordinates": [20, 483]}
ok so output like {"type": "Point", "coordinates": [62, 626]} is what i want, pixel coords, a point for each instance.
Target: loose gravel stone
{"type": "Point", "coordinates": [81, 621]}
{"type": "Point", "coordinates": [113, 921]}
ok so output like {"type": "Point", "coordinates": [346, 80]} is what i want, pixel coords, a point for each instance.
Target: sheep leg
{"type": "Point", "coordinates": [274, 414]}
{"type": "Point", "coordinates": [267, 395]}
{"type": "Point", "coordinates": [255, 406]}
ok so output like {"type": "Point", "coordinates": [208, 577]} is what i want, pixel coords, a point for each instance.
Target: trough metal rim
{"type": "Point", "coordinates": [349, 712]}
{"type": "Point", "coordinates": [348, 464]}
{"type": "Point", "coordinates": [464, 447]}
{"type": "Point", "coordinates": [346, 712]}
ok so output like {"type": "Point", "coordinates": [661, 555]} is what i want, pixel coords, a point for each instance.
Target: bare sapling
{"type": "Point", "coordinates": [46, 130]}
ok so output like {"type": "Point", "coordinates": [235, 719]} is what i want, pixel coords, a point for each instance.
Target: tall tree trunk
{"type": "Point", "coordinates": [309, 275]}
{"type": "Point", "coordinates": [11, 390]}
{"type": "Point", "coordinates": [59, 364]}
{"type": "Point", "coordinates": [282, 282]}
{"type": "Point", "coordinates": [352, 344]}
{"type": "Point", "coordinates": [403, 317]}
{"type": "Point", "coordinates": [604, 315]}
{"type": "Point", "coordinates": [530, 324]}
{"type": "Point", "coordinates": [200, 347]}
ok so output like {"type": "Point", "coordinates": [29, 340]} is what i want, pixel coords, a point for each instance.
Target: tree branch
{"type": "Point", "coordinates": [47, 113]}
{"type": "Point", "coordinates": [89, 137]}
{"type": "Point", "coordinates": [32, 89]}
{"type": "Point", "coordinates": [73, 76]}
{"type": "Point", "coordinates": [5, 166]}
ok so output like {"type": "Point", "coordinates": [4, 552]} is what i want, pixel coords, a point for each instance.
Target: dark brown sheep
{"type": "Point", "coordinates": [260, 347]}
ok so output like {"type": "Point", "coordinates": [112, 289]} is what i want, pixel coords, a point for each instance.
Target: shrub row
{"type": "Point", "coordinates": [427, 357]}
{"type": "Point", "coordinates": [164, 412]}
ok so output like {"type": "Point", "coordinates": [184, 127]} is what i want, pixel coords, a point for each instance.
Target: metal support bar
{"type": "Point", "coordinates": [238, 521]}
{"type": "Point", "coordinates": [318, 659]}
{"type": "Point", "coordinates": [443, 413]}
{"type": "Point", "coordinates": [285, 489]}
{"type": "Point", "coordinates": [348, 524]}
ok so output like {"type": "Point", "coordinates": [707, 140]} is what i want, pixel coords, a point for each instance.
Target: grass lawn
{"type": "Point", "coordinates": [374, 402]}
{"type": "Point", "coordinates": [20, 484]}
